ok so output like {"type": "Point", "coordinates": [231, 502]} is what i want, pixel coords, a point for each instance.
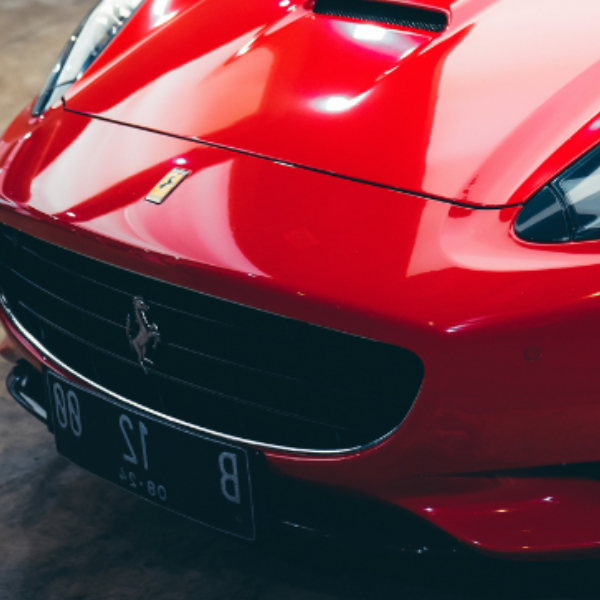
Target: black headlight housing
{"type": "Point", "coordinates": [567, 209]}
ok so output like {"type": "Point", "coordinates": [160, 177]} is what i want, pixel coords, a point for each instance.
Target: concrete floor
{"type": "Point", "coordinates": [32, 34]}
{"type": "Point", "coordinates": [64, 534]}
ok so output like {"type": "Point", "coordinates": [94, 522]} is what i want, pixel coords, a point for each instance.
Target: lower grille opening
{"type": "Point", "coordinates": [221, 366]}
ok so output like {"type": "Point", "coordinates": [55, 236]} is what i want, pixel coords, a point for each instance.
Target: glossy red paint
{"type": "Point", "coordinates": [505, 329]}
{"type": "Point", "coordinates": [527, 517]}
{"type": "Point", "coordinates": [469, 114]}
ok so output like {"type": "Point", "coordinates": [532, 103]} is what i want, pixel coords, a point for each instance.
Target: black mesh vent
{"type": "Point", "coordinates": [384, 12]}
{"type": "Point", "coordinates": [219, 365]}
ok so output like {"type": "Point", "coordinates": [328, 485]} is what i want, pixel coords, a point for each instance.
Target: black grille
{"type": "Point", "coordinates": [384, 12]}
{"type": "Point", "coordinates": [219, 365]}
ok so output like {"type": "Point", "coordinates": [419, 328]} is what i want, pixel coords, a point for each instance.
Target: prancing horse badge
{"type": "Point", "coordinates": [167, 186]}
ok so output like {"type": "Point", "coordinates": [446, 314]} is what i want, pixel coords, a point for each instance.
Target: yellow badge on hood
{"type": "Point", "coordinates": [167, 186]}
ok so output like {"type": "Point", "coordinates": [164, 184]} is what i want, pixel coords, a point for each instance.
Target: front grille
{"type": "Point", "coordinates": [221, 366]}
{"type": "Point", "coordinates": [384, 12]}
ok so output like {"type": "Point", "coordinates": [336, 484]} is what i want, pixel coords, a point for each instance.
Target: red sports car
{"type": "Point", "coordinates": [332, 265]}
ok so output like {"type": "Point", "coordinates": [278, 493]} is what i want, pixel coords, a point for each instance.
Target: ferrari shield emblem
{"type": "Point", "coordinates": [167, 186]}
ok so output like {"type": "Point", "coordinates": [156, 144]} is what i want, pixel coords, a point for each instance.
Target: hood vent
{"type": "Point", "coordinates": [384, 12]}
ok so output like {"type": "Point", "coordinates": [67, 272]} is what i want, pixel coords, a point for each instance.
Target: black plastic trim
{"type": "Point", "coordinates": [384, 12]}
{"type": "Point", "coordinates": [543, 219]}
{"type": "Point", "coordinates": [24, 384]}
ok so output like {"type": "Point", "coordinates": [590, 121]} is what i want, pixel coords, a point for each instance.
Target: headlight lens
{"type": "Point", "coordinates": [90, 39]}
{"type": "Point", "coordinates": [567, 209]}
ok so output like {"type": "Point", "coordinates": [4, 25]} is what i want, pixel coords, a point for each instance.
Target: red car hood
{"type": "Point", "coordinates": [470, 114]}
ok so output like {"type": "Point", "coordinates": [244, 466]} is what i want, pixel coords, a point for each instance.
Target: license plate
{"type": "Point", "coordinates": [171, 466]}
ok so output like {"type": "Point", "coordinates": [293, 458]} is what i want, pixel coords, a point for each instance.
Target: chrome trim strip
{"type": "Point", "coordinates": [256, 444]}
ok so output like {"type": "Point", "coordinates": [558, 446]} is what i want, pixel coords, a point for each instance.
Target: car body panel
{"type": "Point", "coordinates": [430, 276]}
{"type": "Point", "coordinates": [374, 231]}
{"type": "Point", "coordinates": [468, 115]}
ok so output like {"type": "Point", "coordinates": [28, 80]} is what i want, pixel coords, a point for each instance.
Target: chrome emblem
{"type": "Point", "coordinates": [146, 332]}
{"type": "Point", "coordinates": [167, 186]}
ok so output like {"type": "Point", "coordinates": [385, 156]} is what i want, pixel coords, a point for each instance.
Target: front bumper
{"type": "Point", "coordinates": [540, 514]}
{"type": "Point", "coordinates": [286, 505]}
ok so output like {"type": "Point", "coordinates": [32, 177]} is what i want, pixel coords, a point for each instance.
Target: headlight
{"type": "Point", "coordinates": [90, 39]}
{"type": "Point", "coordinates": [567, 209]}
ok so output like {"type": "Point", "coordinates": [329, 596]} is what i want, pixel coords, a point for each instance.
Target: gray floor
{"type": "Point", "coordinates": [32, 34]}
{"type": "Point", "coordinates": [65, 534]}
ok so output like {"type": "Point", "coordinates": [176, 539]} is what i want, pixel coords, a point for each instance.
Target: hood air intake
{"type": "Point", "coordinates": [384, 12]}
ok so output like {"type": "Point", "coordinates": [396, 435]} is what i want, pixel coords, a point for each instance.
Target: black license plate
{"type": "Point", "coordinates": [196, 476]}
